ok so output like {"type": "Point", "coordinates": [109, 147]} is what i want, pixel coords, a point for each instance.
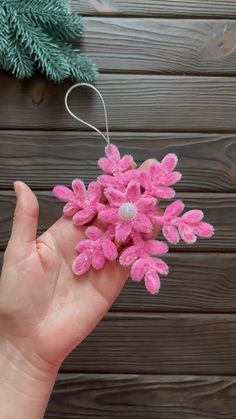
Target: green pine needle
{"type": "Point", "coordinates": [37, 34]}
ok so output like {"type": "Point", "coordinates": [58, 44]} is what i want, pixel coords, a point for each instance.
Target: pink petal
{"type": "Point", "coordinates": [109, 249]}
{"type": "Point", "coordinates": [93, 233]}
{"type": "Point", "coordinates": [193, 216]}
{"type": "Point", "coordinates": [128, 256]}
{"type": "Point", "coordinates": [146, 204]}
{"type": "Point", "coordinates": [138, 270]}
{"type": "Point", "coordinates": [152, 281]}
{"type": "Point", "coordinates": [161, 267]}
{"type": "Point", "coordinates": [98, 259]}
{"type": "Point", "coordinates": [169, 162]}
{"type": "Point", "coordinates": [70, 208]}
{"type": "Point", "coordinates": [126, 163]}
{"type": "Point", "coordinates": [155, 170]}
{"type": "Point", "coordinates": [106, 165]}
{"type": "Point", "coordinates": [122, 231]}
{"type": "Point", "coordinates": [79, 190]}
{"type": "Point", "coordinates": [107, 180]}
{"type": "Point", "coordinates": [204, 230]}
{"type": "Point", "coordinates": [171, 234]}
{"type": "Point", "coordinates": [187, 234]}
{"type": "Point", "coordinates": [63, 193]}
{"type": "Point", "coordinates": [112, 152]}
{"type": "Point", "coordinates": [115, 197]}
{"type": "Point", "coordinates": [156, 247]}
{"type": "Point", "coordinates": [108, 215]}
{"type": "Point", "coordinates": [127, 176]}
{"type": "Point", "coordinates": [110, 231]}
{"type": "Point", "coordinates": [94, 192]}
{"type": "Point", "coordinates": [83, 216]}
{"type": "Point", "coordinates": [81, 264]}
{"type": "Point", "coordinates": [172, 178]}
{"type": "Point", "coordinates": [163, 192]}
{"type": "Point", "coordinates": [133, 193]}
{"type": "Point", "coordinates": [144, 178]}
{"type": "Point", "coordinates": [85, 245]}
{"type": "Point", "coordinates": [174, 209]}
{"type": "Point", "coordinates": [142, 223]}
{"type": "Point", "coordinates": [159, 220]}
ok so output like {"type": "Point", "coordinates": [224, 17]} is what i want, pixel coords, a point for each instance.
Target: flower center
{"type": "Point", "coordinates": [128, 211]}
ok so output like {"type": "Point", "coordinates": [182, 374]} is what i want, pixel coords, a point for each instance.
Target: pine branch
{"type": "Point", "coordinates": [13, 56]}
{"type": "Point", "coordinates": [43, 6]}
{"type": "Point", "coordinates": [58, 25]}
{"type": "Point", "coordinates": [36, 33]}
{"type": "Point", "coordinates": [81, 67]}
{"type": "Point", "coordinates": [42, 47]}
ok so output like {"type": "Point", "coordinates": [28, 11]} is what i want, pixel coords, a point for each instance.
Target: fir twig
{"type": "Point", "coordinates": [37, 34]}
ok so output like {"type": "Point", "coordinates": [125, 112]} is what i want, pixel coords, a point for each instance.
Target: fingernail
{"type": "Point", "coordinates": [17, 188]}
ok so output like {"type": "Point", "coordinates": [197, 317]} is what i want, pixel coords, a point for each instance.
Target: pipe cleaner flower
{"type": "Point", "coordinates": [159, 177]}
{"type": "Point", "coordinates": [187, 227]}
{"type": "Point", "coordinates": [143, 265]}
{"type": "Point", "coordinates": [118, 171]}
{"type": "Point", "coordinates": [95, 250]}
{"type": "Point", "coordinates": [129, 210]}
{"type": "Point", "coordinates": [82, 204]}
{"type": "Point", "coordinates": [124, 200]}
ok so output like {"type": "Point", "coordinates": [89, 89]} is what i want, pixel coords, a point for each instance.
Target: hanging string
{"type": "Point", "coordinates": [106, 138]}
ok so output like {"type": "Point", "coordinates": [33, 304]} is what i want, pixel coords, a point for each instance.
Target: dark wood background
{"type": "Point", "coordinates": [168, 76]}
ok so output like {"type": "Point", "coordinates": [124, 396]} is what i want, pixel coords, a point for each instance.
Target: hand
{"type": "Point", "coordinates": [45, 311]}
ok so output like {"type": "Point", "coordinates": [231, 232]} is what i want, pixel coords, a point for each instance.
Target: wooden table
{"type": "Point", "coordinates": [168, 76]}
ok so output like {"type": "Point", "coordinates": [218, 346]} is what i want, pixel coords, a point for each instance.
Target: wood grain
{"type": "Point", "coordinates": [43, 159]}
{"type": "Point", "coordinates": [191, 8]}
{"type": "Point", "coordinates": [158, 343]}
{"type": "Point", "coordinates": [176, 46]}
{"type": "Point", "coordinates": [198, 282]}
{"type": "Point", "coordinates": [140, 103]}
{"type": "Point", "coordinates": [220, 210]}
{"type": "Point", "coordinates": [109, 396]}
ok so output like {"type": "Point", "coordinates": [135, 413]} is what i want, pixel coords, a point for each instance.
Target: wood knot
{"type": "Point", "coordinates": [222, 42]}
{"type": "Point", "coordinates": [38, 92]}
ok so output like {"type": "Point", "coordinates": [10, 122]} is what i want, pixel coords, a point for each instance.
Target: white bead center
{"type": "Point", "coordinates": [128, 211]}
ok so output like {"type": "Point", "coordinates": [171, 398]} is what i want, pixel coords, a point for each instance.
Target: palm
{"type": "Point", "coordinates": [53, 308]}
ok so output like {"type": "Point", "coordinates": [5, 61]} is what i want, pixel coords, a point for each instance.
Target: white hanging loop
{"type": "Point", "coordinates": [106, 138]}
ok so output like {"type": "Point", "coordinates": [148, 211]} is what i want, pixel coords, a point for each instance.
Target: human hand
{"type": "Point", "coordinates": [45, 311]}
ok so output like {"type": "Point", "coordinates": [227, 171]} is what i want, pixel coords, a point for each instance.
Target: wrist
{"type": "Point", "coordinates": [24, 371]}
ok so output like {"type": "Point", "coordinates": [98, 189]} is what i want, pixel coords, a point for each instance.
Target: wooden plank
{"type": "Point", "coordinates": [198, 282]}
{"type": "Point", "coordinates": [158, 343]}
{"type": "Point", "coordinates": [176, 46]}
{"type": "Point", "coordinates": [109, 396]}
{"type": "Point", "coordinates": [220, 210]}
{"type": "Point", "coordinates": [160, 103]}
{"type": "Point", "coordinates": [43, 159]}
{"type": "Point", "coordinates": [157, 8]}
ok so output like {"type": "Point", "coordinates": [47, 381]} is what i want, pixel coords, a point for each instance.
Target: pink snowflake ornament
{"type": "Point", "coordinates": [126, 202]}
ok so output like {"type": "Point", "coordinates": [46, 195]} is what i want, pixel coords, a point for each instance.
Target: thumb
{"type": "Point", "coordinates": [25, 221]}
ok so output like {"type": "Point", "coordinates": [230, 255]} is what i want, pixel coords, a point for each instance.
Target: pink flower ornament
{"type": "Point", "coordinates": [129, 210]}
{"type": "Point", "coordinates": [118, 171]}
{"type": "Point", "coordinates": [143, 264]}
{"type": "Point", "coordinates": [82, 204]}
{"type": "Point", "coordinates": [126, 203]}
{"type": "Point", "coordinates": [94, 251]}
{"type": "Point", "coordinates": [159, 177]}
{"type": "Point", "coordinates": [186, 227]}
